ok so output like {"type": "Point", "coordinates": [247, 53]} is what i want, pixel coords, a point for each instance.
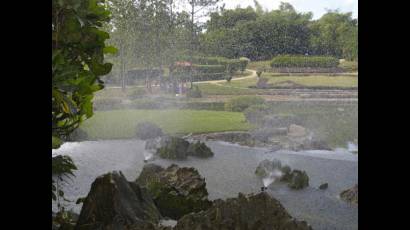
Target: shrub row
{"type": "Point", "coordinates": [239, 104]}
{"type": "Point", "coordinates": [138, 74]}
{"type": "Point", "coordinates": [304, 61]}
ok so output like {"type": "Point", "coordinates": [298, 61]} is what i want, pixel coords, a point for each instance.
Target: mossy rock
{"type": "Point", "coordinates": [299, 180]}
{"type": "Point", "coordinates": [176, 191]}
{"type": "Point", "coordinates": [173, 148]}
{"type": "Point", "coordinates": [199, 149]}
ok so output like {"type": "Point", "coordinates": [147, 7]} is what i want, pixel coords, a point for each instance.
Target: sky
{"type": "Point", "coordinates": [317, 7]}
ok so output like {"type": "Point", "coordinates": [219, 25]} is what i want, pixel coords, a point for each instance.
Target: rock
{"type": "Point", "coordinates": [296, 131]}
{"type": "Point", "coordinates": [113, 203]}
{"type": "Point", "coordinates": [77, 135]}
{"type": "Point", "coordinates": [176, 191]}
{"type": "Point", "coordinates": [298, 180]}
{"type": "Point", "coordinates": [323, 186]}
{"type": "Point", "coordinates": [258, 211]}
{"type": "Point", "coordinates": [351, 195]}
{"type": "Point", "coordinates": [148, 130]}
{"type": "Point", "coordinates": [151, 145]}
{"type": "Point", "coordinates": [199, 149]}
{"type": "Point", "coordinates": [173, 148]}
{"type": "Point", "coordinates": [309, 144]}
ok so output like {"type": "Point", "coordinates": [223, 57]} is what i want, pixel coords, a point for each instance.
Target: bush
{"type": "Point", "coordinates": [194, 92]}
{"type": "Point", "coordinates": [199, 149]}
{"type": "Point", "coordinates": [148, 130]}
{"type": "Point", "coordinates": [173, 148]}
{"type": "Point", "coordinates": [243, 63]}
{"type": "Point", "coordinates": [304, 61]}
{"type": "Point", "coordinates": [239, 104]}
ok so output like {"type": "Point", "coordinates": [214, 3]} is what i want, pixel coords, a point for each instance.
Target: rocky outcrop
{"type": "Point", "coordinates": [258, 211]}
{"type": "Point", "coordinates": [296, 179]}
{"type": "Point", "coordinates": [351, 195]}
{"type": "Point", "coordinates": [113, 203]}
{"type": "Point", "coordinates": [173, 148]}
{"type": "Point", "coordinates": [148, 130]}
{"type": "Point", "coordinates": [176, 191]}
{"type": "Point", "coordinates": [199, 149]}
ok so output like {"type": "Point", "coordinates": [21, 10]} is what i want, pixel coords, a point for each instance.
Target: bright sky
{"type": "Point", "coordinates": [317, 7]}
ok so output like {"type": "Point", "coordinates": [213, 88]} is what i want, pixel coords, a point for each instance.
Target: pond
{"type": "Point", "coordinates": [229, 172]}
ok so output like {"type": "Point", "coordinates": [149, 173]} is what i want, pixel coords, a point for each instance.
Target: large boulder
{"type": "Point", "coordinates": [199, 149]}
{"type": "Point", "coordinates": [148, 130]}
{"type": "Point", "coordinates": [173, 148]}
{"type": "Point", "coordinates": [176, 191]}
{"type": "Point", "coordinates": [298, 179]}
{"type": "Point", "coordinates": [274, 169]}
{"type": "Point", "coordinates": [258, 211]}
{"type": "Point", "coordinates": [351, 195]}
{"type": "Point", "coordinates": [113, 203]}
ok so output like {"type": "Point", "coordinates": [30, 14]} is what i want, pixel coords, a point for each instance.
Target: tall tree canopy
{"type": "Point", "coordinates": [77, 60]}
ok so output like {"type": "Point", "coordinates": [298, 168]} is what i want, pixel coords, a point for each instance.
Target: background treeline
{"type": "Point", "coordinates": [261, 35]}
{"type": "Point", "coordinates": [153, 34]}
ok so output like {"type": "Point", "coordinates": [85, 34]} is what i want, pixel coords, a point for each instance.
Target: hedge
{"type": "Point", "coordinates": [304, 61]}
{"type": "Point", "coordinates": [239, 104]}
{"type": "Point", "coordinates": [144, 73]}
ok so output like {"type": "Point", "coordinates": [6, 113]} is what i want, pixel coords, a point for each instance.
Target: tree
{"type": "Point", "coordinates": [78, 48]}
{"type": "Point", "coordinates": [334, 34]}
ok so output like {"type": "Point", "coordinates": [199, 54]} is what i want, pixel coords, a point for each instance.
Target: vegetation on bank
{"type": "Point", "coordinates": [118, 124]}
{"type": "Point", "coordinates": [304, 61]}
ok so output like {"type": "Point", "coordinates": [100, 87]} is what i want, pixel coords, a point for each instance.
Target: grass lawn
{"type": "Point", "coordinates": [118, 124]}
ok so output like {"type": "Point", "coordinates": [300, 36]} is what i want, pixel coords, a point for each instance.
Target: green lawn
{"type": "Point", "coordinates": [118, 124]}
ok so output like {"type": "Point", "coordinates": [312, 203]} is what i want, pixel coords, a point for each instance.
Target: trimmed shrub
{"type": "Point", "coordinates": [244, 61]}
{"type": "Point", "coordinates": [304, 61]}
{"type": "Point", "coordinates": [239, 104]}
{"type": "Point", "coordinates": [148, 130]}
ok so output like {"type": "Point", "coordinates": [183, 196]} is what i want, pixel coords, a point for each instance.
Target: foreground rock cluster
{"type": "Point", "coordinates": [296, 179]}
{"type": "Point", "coordinates": [176, 191]}
{"type": "Point", "coordinates": [114, 203]}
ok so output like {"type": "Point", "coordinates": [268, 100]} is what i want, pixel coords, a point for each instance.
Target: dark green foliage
{"type": "Point", "coordinates": [243, 63]}
{"type": "Point", "coordinates": [195, 92]}
{"type": "Point", "coordinates": [239, 104]}
{"type": "Point", "coordinates": [304, 61]}
{"type": "Point", "coordinates": [62, 167]}
{"type": "Point", "coordinates": [78, 48]}
{"type": "Point", "coordinates": [148, 130]}
{"type": "Point", "coordinates": [199, 149]}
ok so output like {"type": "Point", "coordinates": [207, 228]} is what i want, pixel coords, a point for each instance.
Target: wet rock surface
{"type": "Point", "coordinates": [324, 186]}
{"type": "Point", "coordinates": [113, 203]}
{"type": "Point", "coordinates": [199, 149]}
{"type": "Point", "coordinates": [295, 179]}
{"type": "Point", "coordinates": [351, 195]}
{"type": "Point", "coordinates": [259, 211]}
{"type": "Point", "coordinates": [173, 148]}
{"type": "Point", "coordinates": [176, 191]}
